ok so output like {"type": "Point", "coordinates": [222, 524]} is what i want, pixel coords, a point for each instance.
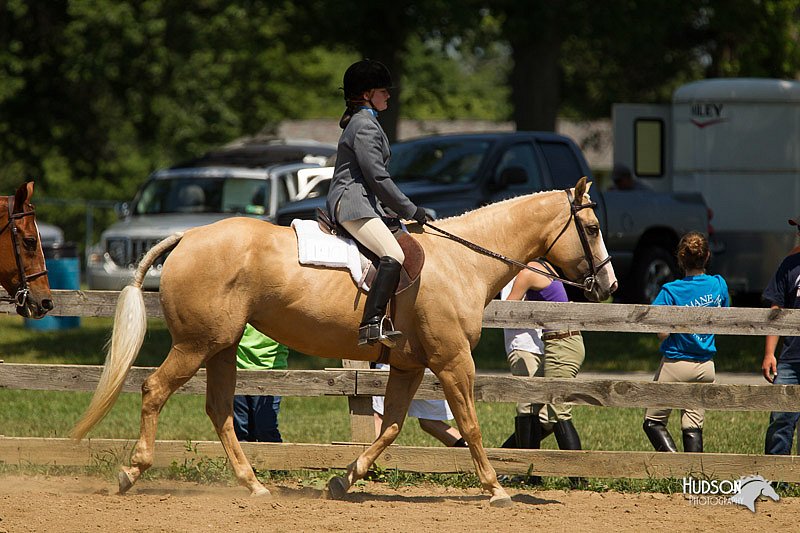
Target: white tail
{"type": "Point", "coordinates": [130, 325]}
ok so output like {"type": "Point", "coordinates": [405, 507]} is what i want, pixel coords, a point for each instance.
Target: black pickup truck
{"type": "Point", "coordinates": [452, 174]}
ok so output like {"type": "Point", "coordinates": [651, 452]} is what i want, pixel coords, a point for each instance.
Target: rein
{"type": "Point", "coordinates": [20, 298]}
{"type": "Point", "coordinates": [588, 282]}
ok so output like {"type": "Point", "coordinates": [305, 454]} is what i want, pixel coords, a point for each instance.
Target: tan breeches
{"type": "Point", "coordinates": [562, 359]}
{"type": "Point", "coordinates": [373, 233]}
{"type": "Point", "coordinates": [677, 371]}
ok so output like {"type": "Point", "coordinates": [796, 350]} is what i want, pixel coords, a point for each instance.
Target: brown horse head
{"type": "Point", "coordinates": [579, 249]}
{"type": "Point", "coordinates": [22, 267]}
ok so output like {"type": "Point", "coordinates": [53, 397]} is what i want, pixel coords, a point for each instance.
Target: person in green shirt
{"type": "Point", "coordinates": [255, 418]}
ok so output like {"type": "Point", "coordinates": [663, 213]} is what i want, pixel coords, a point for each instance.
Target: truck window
{"type": "Point", "coordinates": [522, 156]}
{"type": "Point", "coordinates": [437, 160]}
{"type": "Point", "coordinates": [564, 167]}
{"type": "Point", "coordinates": [648, 142]}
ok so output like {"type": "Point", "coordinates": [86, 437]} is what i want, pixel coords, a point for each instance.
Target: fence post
{"type": "Point", "coordinates": [362, 424]}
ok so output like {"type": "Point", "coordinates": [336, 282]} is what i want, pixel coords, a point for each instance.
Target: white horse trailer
{"type": "Point", "coordinates": [737, 142]}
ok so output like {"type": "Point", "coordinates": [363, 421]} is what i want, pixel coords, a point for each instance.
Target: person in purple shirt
{"type": "Point", "coordinates": [549, 353]}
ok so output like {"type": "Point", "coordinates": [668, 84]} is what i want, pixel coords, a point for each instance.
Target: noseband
{"type": "Point", "coordinates": [20, 298]}
{"type": "Point", "coordinates": [589, 280]}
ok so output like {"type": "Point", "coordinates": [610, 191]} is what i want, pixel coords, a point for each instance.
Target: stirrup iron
{"type": "Point", "coordinates": [372, 333]}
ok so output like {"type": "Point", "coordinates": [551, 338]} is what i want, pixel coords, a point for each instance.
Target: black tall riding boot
{"type": "Point", "coordinates": [693, 440]}
{"type": "Point", "coordinates": [527, 435]}
{"type": "Point", "coordinates": [372, 324]}
{"type": "Point", "coordinates": [568, 439]}
{"type": "Point", "coordinates": [528, 431]}
{"type": "Point", "coordinates": [659, 436]}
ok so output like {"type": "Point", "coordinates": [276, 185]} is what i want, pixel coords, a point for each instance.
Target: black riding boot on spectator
{"type": "Point", "coordinates": [372, 324]}
{"type": "Point", "coordinates": [527, 435]}
{"type": "Point", "coordinates": [659, 436]}
{"type": "Point", "coordinates": [568, 439]}
{"type": "Point", "coordinates": [693, 440]}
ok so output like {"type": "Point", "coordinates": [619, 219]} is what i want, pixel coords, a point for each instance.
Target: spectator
{"type": "Point", "coordinates": [623, 179]}
{"type": "Point", "coordinates": [255, 418]}
{"type": "Point", "coordinates": [533, 352]}
{"type": "Point", "coordinates": [782, 292]}
{"type": "Point", "coordinates": [432, 416]}
{"type": "Point", "coordinates": [686, 357]}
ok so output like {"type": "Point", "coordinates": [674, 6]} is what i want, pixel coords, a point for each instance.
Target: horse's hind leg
{"type": "Point", "coordinates": [176, 370]}
{"type": "Point", "coordinates": [220, 388]}
{"type": "Point", "coordinates": [458, 381]}
{"type": "Point", "coordinates": [400, 390]}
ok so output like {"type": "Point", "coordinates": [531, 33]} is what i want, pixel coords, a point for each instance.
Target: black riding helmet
{"type": "Point", "coordinates": [363, 76]}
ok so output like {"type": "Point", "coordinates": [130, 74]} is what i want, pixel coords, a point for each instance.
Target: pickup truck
{"type": "Point", "coordinates": [454, 173]}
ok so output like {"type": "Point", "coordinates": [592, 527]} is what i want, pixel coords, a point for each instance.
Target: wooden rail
{"type": "Point", "coordinates": [553, 315]}
{"type": "Point", "coordinates": [271, 456]}
{"type": "Point", "coordinates": [365, 383]}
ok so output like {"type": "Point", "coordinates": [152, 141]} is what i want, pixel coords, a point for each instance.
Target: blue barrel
{"type": "Point", "coordinates": [64, 272]}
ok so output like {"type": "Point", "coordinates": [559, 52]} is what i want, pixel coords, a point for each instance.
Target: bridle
{"type": "Point", "coordinates": [20, 298]}
{"type": "Point", "coordinates": [589, 280]}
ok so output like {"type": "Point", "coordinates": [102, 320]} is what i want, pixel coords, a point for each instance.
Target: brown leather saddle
{"type": "Point", "coordinates": [415, 255]}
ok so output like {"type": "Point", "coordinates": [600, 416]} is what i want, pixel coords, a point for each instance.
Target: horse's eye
{"type": "Point", "coordinates": [29, 243]}
{"type": "Point", "coordinates": [593, 230]}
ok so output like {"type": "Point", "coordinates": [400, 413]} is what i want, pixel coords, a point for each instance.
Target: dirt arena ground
{"type": "Point", "coordinates": [73, 504]}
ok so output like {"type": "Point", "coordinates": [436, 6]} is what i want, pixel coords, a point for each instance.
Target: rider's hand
{"type": "Point", "coordinates": [422, 216]}
{"type": "Point", "coordinates": [769, 367]}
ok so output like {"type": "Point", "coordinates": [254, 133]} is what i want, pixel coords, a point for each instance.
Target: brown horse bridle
{"type": "Point", "coordinates": [20, 298]}
{"type": "Point", "coordinates": [589, 280]}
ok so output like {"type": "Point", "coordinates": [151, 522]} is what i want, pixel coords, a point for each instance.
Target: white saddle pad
{"type": "Point", "coordinates": [317, 248]}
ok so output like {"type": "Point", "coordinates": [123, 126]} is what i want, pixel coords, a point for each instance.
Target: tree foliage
{"type": "Point", "coordinates": [95, 94]}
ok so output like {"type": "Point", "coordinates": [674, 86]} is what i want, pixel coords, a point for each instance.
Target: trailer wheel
{"type": "Point", "coordinates": [653, 267]}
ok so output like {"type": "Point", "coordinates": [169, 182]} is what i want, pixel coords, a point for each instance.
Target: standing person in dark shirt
{"type": "Point", "coordinates": [782, 293]}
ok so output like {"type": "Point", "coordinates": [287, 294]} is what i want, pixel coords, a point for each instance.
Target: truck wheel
{"type": "Point", "coordinates": [653, 268]}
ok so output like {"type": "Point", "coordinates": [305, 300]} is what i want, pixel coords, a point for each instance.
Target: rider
{"type": "Point", "coordinates": [362, 192]}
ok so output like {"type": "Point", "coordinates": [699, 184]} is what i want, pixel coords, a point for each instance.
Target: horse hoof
{"type": "Point", "coordinates": [501, 501]}
{"type": "Point", "coordinates": [125, 482]}
{"type": "Point", "coordinates": [337, 488]}
{"type": "Point", "coordinates": [260, 492]}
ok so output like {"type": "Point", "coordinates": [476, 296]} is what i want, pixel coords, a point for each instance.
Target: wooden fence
{"type": "Point", "coordinates": [359, 384]}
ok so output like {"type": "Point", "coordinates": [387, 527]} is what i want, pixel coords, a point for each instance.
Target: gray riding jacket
{"type": "Point", "coordinates": [361, 184]}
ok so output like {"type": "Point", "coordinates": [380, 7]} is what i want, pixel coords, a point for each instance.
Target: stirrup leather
{"type": "Point", "coordinates": [372, 333]}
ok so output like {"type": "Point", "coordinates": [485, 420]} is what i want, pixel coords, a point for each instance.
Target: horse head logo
{"type": "Point", "coordinates": [750, 488]}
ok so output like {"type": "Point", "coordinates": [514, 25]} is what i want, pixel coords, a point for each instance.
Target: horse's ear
{"type": "Point", "coordinates": [580, 190]}
{"type": "Point", "coordinates": [23, 195]}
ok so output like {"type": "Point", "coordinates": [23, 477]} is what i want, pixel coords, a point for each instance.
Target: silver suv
{"type": "Point", "coordinates": [180, 198]}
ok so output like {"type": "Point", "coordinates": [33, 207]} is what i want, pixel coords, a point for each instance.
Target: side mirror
{"type": "Point", "coordinates": [510, 176]}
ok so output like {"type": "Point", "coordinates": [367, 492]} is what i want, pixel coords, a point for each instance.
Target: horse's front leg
{"type": "Point", "coordinates": [400, 390]}
{"type": "Point", "coordinates": [458, 381]}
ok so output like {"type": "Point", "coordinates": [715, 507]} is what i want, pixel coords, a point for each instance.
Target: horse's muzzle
{"type": "Point", "coordinates": [33, 309]}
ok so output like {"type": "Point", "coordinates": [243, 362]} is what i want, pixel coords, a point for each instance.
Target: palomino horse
{"type": "Point", "coordinates": [22, 269]}
{"type": "Point", "coordinates": [239, 270]}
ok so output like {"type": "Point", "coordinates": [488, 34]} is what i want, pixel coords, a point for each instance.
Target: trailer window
{"type": "Point", "coordinates": [649, 147]}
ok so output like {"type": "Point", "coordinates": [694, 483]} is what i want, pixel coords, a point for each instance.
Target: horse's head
{"type": "Point", "coordinates": [578, 247]}
{"type": "Point", "coordinates": [22, 268]}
